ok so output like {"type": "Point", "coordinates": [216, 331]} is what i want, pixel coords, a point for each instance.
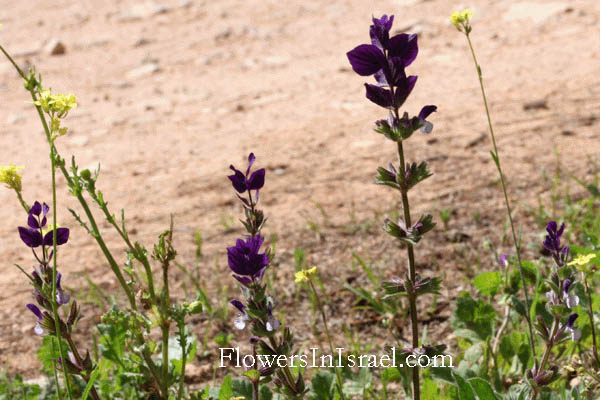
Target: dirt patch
{"type": "Point", "coordinates": [171, 93]}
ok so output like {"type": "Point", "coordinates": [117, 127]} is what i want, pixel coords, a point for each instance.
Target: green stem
{"type": "Point", "coordinates": [591, 315]}
{"type": "Point", "coordinates": [183, 343]}
{"type": "Point", "coordinates": [58, 392]}
{"type": "Point", "coordinates": [140, 256]}
{"type": "Point", "coordinates": [412, 273]}
{"type": "Point", "coordinates": [165, 331]}
{"type": "Point", "coordinates": [504, 191]}
{"type": "Point", "coordinates": [80, 362]}
{"type": "Point", "coordinates": [54, 272]}
{"type": "Point", "coordinates": [23, 204]}
{"type": "Point", "coordinates": [322, 310]}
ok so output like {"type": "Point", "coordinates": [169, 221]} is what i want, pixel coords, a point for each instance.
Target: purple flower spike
{"type": "Point", "coordinates": [552, 240]}
{"type": "Point", "coordinates": [244, 258]}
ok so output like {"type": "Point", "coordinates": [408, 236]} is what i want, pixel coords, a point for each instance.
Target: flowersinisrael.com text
{"type": "Point", "coordinates": [232, 356]}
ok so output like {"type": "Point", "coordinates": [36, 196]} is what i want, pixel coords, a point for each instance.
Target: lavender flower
{"type": "Point", "coordinates": [242, 182]}
{"type": "Point", "coordinates": [245, 260]}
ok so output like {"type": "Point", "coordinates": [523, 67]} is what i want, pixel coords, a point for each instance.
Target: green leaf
{"type": "Point", "coordinates": [488, 283]}
{"type": "Point", "coordinates": [93, 378]}
{"type": "Point", "coordinates": [482, 389]}
{"type": "Point", "coordinates": [391, 375]}
{"type": "Point", "coordinates": [226, 390]}
{"type": "Point", "coordinates": [465, 392]}
{"type": "Point", "coordinates": [430, 390]}
{"type": "Point", "coordinates": [475, 315]}
{"type": "Point", "coordinates": [322, 386]}
{"type": "Point", "coordinates": [252, 374]}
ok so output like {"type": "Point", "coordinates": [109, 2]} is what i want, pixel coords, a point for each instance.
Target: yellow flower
{"type": "Point", "coordinates": [44, 100]}
{"type": "Point", "coordinates": [460, 19]}
{"type": "Point", "coordinates": [11, 177]}
{"type": "Point", "coordinates": [63, 103]}
{"type": "Point", "coordinates": [582, 260]}
{"type": "Point", "coordinates": [305, 275]}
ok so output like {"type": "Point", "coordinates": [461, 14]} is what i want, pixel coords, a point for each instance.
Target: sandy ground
{"type": "Point", "coordinates": [171, 93]}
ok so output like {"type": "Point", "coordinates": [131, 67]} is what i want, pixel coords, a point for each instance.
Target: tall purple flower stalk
{"type": "Point", "coordinates": [561, 301]}
{"type": "Point", "coordinates": [256, 310]}
{"type": "Point", "coordinates": [386, 59]}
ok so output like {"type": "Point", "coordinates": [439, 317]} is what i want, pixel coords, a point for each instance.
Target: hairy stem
{"type": "Point", "coordinates": [496, 156]}
{"type": "Point", "coordinates": [412, 274]}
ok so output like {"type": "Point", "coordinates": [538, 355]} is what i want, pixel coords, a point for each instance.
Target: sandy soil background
{"type": "Point", "coordinates": [171, 93]}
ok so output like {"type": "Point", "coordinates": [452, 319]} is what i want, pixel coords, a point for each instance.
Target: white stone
{"type": "Point", "coordinates": [536, 12]}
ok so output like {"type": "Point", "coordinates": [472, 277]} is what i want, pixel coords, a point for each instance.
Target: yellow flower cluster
{"type": "Point", "coordinates": [460, 20]}
{"type": "Point", "coordinates": [10, 175]}
{"type": "Point", "coordinates": [582, 260]}
{"type": "Point", "coordinates": [57, 106]}
{"type": "Point", "coordinates": [305, 275]}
